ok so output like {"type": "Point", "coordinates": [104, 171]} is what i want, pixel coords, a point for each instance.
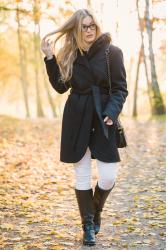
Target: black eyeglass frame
{"type": "Point", "coordinates": [85, 27]}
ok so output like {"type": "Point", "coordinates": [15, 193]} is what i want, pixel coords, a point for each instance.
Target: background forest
{"type": "Point", "coordinates": [137, 27]}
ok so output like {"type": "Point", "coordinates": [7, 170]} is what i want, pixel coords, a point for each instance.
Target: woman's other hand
{"type": "Point", "coordinates": [108, 120]}
{"type": "Point", "coordinates": [46, 47]}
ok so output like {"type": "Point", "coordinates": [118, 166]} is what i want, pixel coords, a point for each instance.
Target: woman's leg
{"type": "Point", "coordinates": [84, 195]}
{"type": "Point", "coordinates": [107, 175]}
{"type": "Point", "coordinates": [83, 172]}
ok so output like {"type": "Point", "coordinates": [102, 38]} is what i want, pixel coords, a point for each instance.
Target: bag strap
{"type": "Point", "coordinates": [107, 52]}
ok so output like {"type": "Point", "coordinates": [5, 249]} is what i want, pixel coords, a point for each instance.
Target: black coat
{"type": "Point", "coordinates": [89, 102]}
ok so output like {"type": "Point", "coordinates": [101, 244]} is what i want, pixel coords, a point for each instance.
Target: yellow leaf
{"type": "Point", "coordinates": [19, 248]}
{"type": "Point", "coordinates": [7, 226]}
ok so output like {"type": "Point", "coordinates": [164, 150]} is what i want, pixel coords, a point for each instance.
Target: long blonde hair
{"type": "Point", "coordinates": [71, 30]}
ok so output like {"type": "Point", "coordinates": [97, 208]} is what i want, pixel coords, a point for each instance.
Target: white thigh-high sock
{"type": "Point", "coordinates": [83, 172]}
{"type": "Point", "coordinates": [107, 174]}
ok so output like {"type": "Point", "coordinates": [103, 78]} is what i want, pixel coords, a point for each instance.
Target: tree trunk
{"type": "Point", "coordinates": [134, 114]}
{"type": "Point", "coordinates": [89, 4]}
{"type": "Point", "coordinates": [130, 82]}
{"type": "Point", "coordinates": [144, 58]}
{"type": "Point", "coordinates": [52, 105]}
{"type": "Point", "coordinates": [40, 112]}
{"type": "Point", "coordinates": [23, 71]}
{"type": "Point", "coordinates": [157, 101]}
{"type": "Point", "coordinates": [117, 21]}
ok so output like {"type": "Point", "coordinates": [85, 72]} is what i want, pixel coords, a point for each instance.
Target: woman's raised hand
{"type": "Point", "coordinates": [46, 47]}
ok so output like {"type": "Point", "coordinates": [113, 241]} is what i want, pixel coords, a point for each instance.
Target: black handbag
{"type": "Point", "coordinates": [120, 133]}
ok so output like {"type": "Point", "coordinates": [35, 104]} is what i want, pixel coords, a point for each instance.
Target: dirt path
{"type": "Point", "coordinates": [38, 208]}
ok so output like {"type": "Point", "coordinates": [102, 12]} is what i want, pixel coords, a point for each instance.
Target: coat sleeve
{"type": "Point", "coordinates": [54, 76]}
{"type": "Point", "coordinates": [118, 84]}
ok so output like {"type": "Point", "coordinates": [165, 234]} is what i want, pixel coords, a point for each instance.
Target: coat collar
{"type": "Point", "coordinates": [102, 41]}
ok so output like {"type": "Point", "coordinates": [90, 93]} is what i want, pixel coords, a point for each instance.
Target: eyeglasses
{"type": "Point", "coordinates": [91, 26]}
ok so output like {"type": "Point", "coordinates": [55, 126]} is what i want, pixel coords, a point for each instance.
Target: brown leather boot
{"type": "Point", "coordinates": [86, 208]}
{"type": "Point", "coordinates": [99, 199]}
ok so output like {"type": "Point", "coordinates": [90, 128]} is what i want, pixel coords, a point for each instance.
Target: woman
{"type": "Point", "coordinates": [89, 111]}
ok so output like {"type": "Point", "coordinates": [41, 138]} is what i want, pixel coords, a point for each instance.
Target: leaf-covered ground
{"type": "Point", "coordinates": [38, 209]}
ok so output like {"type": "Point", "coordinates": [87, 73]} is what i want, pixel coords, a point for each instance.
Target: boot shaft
{"type": "Point", "coordinates": [85, 204]}
{"type": "Point", "coordinates": [100, 197]}
{"type": "Point", "coordinates": [86, 209]}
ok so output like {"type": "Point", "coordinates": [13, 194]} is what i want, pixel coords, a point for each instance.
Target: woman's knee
{"type": "Point", "coordinates": [83, 182]}
{"type": "Point", "coordinates": [106, 183]}
{"type": "Point", "coordinates": [107, 174]}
